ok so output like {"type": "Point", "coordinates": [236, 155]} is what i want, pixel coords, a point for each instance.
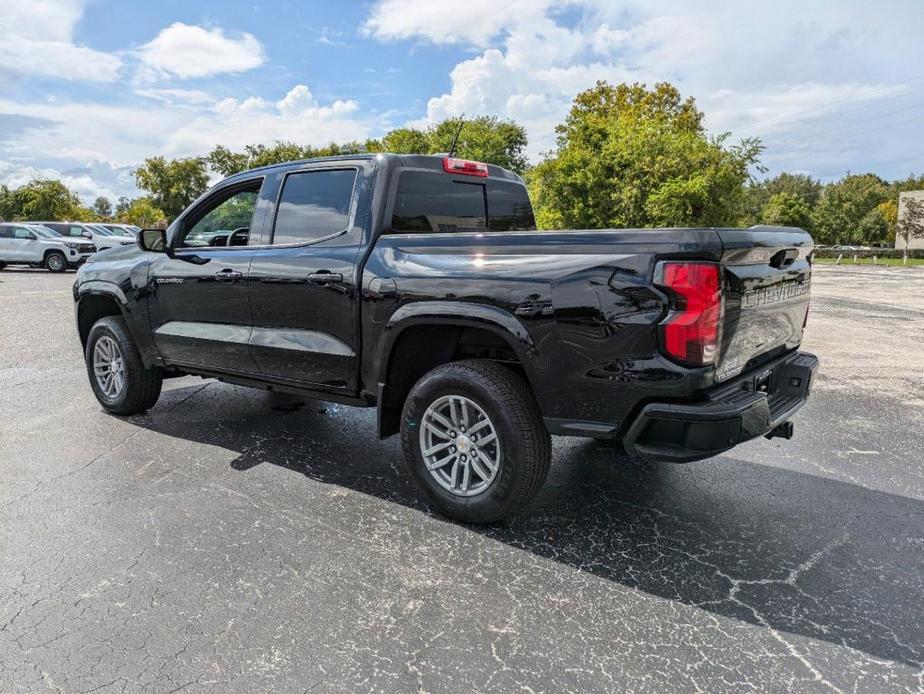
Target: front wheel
{"type": "Point", "coordinates": [118, 376]}
{"type": "Point", "coordinates": [56, 262]}
{"type": "Point", "coordinates": [474, 440]}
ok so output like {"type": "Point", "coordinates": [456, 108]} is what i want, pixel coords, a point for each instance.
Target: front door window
{"type": "Point", "coordinates": [227, 223]}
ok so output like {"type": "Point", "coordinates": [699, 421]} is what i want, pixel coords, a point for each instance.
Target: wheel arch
{"type": "Point", "coordinates": [422, 335]}
{"type": "Point", "coordinates": [95, 302]}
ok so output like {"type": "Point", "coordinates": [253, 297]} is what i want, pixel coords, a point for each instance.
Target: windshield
{"type": "Point", "coordinates": [102, 231]}
{"type": "Point", "coordinates": [44, 231]}
{"type": "Point", "coordinates": [116, 231]}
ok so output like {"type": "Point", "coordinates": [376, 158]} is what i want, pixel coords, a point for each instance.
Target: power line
{"type": "Point", "coordinates": [859, 97]}
{"type": "Point", "coordinates": [851, 126]}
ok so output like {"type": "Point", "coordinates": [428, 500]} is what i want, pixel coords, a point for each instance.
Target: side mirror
{"type": "Point", "coordinates": [86, 234]}
{"type": "Point", "coordinates": [154, 240]}
{"type": "Point", "coordinates": [32, 236]}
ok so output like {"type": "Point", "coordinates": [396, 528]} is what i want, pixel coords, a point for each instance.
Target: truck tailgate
{"type": "Point", "coordinates": [766, 289]}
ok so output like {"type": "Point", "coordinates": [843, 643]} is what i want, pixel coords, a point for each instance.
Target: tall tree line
{"type": "Point", "coordinates": [626, 156]}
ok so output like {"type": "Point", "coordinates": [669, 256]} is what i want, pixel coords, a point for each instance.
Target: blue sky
{"type": "Point", "coordinates": [88, 88]}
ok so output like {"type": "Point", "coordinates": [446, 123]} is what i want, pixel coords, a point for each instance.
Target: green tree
{"type": "Point", "coordinates": [845, 212]}
{"type": "Point", "coordinates": [102, 207]}
{"type": "Point", "coordinates": [222, 160]}
{"type": "Point", "coordinates": [788, 210]}
{"type": "Point", "coordinates": [485, 138]}
{"type": "Point", "coordinates": [122, 205]}
{"type": "Point", "coordinates": [225, 162]}
{"type": "Point", "coordinates": [406, 141]}
{"type": "Point", "coordinates": [911, 182]}
{"type": "Point", "coordinates": [888, 210]}
{"type": "Point", "coordinates": [43, 199]}
{"type": "Point", "coordinates": [144, 213]}
{"type": "Point", "coordinates": [174, 183]}
{"type": "Point", "coordinates": [758, 193]}
{"type": "Point", "coordinates": [7, 204]}
{"type": "Point", "coordinates": [628, 156]}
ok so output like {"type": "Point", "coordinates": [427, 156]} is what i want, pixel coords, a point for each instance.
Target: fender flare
{"type": "Point", "coordinates": [102, 288]}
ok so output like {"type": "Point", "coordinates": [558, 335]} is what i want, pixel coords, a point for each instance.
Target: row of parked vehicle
{"type": "Point", "coordinates": [58, 246]}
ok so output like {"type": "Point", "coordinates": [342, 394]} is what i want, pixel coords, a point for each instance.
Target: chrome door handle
{"type": "Point", "coordinates": [325, 277]}
{"type": "Point", "coordinates": [228, 275]}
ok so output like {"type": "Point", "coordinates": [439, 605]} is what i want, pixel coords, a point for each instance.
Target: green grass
{"type": "Point", "coordinates": [848, 260]}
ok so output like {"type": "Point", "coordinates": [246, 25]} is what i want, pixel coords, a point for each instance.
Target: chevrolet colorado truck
{"type": "Point", "coordinates": [419, 285]}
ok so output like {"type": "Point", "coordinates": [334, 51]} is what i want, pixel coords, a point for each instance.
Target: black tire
{"type": "Point", "coordinates": [508, 402]}
{"type": "Point", "coordinates": [2, 265]}
{"type": "Point", "coordinates": [55, 262]}
{"type": "Point", "coordinates": [141, 386]}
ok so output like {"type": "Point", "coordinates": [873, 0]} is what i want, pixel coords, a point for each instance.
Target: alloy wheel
{"type": "Point", "coordinates": [459, 445]}
{"type": "Point", "coordinates": [109, 367]}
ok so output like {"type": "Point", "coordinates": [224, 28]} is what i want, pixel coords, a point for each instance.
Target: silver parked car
{"type": "Point", "coordinates": [38, 246]}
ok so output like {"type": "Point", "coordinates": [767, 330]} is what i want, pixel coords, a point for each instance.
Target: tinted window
{"type": "Point", "coordinates": [438, 202]}
{"type": "Point", "coordinates": [6, 232]}
{"type": "Point", "coordinates": [221, 216]}
{"type": "Point", "coordinates": [314, 204]}
{"type": "Point", "coordinates": [509, 208]}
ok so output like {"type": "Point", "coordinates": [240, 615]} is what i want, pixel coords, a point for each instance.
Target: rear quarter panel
{"type": "Point", "coordinates": [583, 298]}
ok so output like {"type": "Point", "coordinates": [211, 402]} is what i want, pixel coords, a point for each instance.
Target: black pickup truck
{"type": "Point", "coordinates": [419, 285]}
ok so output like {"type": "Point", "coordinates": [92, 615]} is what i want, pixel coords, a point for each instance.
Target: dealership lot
{"type": "Point", "coordinates": [222, 543]}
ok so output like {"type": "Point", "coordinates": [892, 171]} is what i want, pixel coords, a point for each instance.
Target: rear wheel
{"type": "Point", "coordinates": [118, 376]}
{"type": "Point", "coordinates": [474, 440]}
{"type": "Point", "coordinates": [55, 262]}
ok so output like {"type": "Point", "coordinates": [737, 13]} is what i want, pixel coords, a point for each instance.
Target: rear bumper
{"type": "Point", "coordinates": [750, 406]}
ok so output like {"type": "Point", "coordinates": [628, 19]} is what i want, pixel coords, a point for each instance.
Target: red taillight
{"type": "Point", "coordinates": [464, 166]}
{"type": "Point", "coordinates": [693, 330]}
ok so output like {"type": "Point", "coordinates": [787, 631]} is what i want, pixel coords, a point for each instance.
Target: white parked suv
{"type": "Point", "coordinates": [38, 246]}
{"type": "Point", "coordinates": [100, 237]}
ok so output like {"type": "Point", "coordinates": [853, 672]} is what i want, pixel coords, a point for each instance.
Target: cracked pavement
{"type": "Point", "coordinates": [219, 543]}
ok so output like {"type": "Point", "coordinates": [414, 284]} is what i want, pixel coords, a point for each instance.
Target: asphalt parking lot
{"type": "Point", "coordinates": [216, 543]}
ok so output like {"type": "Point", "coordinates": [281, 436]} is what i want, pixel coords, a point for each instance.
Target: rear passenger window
{"type": "Point", "coordinates": [509, 208]}
{"type": "Point", "coordinates": [314, 204]}
{"type": "Point", "coordinates": [438, 202]}
{"type": "Point", "coordinates": [428, 202]}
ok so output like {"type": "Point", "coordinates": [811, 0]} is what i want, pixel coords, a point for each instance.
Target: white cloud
{"type": "Point", "coordinates": [72, 134]}
{"type": "Point", "coordinates": [89, 181]}
{"type": "Point", "coordinates": [175, 96]}
{"type": "Point", "coordinates": [298, 116]}
{"type": "Point", "coordinates": [188, 51]}
{"type": "Point", "coordinates": [37, 40]}
{"type": "Point", "coordinates": [475, 22]}
{"type": "Point", "coordinates": [803, 76]}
